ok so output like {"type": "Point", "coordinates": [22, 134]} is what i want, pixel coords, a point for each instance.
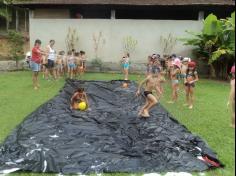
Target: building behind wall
{"type": "Point", "coordinates": [146, 21]}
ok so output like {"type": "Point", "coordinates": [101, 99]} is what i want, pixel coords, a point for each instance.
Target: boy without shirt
{"type": "Point", "coordinates": [152, 83]}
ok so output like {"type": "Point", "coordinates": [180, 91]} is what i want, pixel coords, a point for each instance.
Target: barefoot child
{"type": "Point", "coordinates": [184, 67]}
{"type": "Point", "coordinates": [232, 96]}
{"type": "Point", "coordinates": [71, 64]}
{"type": "Point", "coordinates": [59, 64]}
{"type": "Point", "coordinates": [152, 83]}
{"type": "Point", "coordinates": [149, 66]}
{"type": "Point", "coordinates": [170, 66]}
{"type": "Point", "coordinates": [77, 63]}
{"type": "Point", "coordinates": [82, 67]}
{"type": "Point", "coordinates": [65, 65]}
{"type": "Point", "coordinates": [78, 97]}
{"type": "Point", "coordinates": [174, 75]}
{"type": "Point", "coordinates": [35, 62]}
{"type": "Point", "coordinates": [126, 65]}
{"type": "Point", "coordinates": [189, 82]}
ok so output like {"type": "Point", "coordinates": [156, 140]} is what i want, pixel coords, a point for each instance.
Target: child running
{"type": "Point", "coordinates": [231, 102]}
{"type": "Point", "coordinates": [126, 65]}
{"type": "Point", "coordinates": [152, 83]}
{"type": "Point", "coordinates": [190, 79]}
{"type": "Point", "coordinates": [78, 97]}
{"type": "Point", "coordinates": [174, 75]}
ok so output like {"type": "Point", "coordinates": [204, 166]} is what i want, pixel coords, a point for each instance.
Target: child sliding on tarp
{"type": "Point", "coordinates": [79, 100]}
{"type": "Point", "coordinates": [152, 83]}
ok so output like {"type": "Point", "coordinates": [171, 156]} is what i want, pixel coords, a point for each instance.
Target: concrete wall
{"type": "Point", "coordinates": [147, 32]}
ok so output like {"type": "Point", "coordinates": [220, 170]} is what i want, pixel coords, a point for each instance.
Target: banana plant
{"type": "Point", "coordinates": [215, 41]}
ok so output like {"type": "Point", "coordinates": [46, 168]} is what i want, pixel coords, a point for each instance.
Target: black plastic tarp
{"type": "Point", "coordinates": [108, 138]}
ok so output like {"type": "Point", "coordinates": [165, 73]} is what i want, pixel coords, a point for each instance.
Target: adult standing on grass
{"type": "Point", "coordinates": [35, 62]}
{"type": "Point", "coordinates": [51, 57]}
{"type": "Point", "coordinates": [231, 101]}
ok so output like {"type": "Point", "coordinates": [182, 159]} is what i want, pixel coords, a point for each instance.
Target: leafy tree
{"type": "Point", "coordinates": [6, 7]}
{"type": "Point", "coordinates": [16, 41]}
{"type": "Point", "coordinates": [216, 42]}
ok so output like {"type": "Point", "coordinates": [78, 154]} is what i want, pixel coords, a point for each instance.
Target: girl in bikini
{"type": "Point", "coordinates": [189, 81]}
{"type": "Point", "coordinates": [175, 72]}
{"type": "Point", "coordinates": [126, 65]}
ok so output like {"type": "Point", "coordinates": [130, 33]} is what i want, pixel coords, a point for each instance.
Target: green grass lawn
{"type": "Point", "coordinates": [210, 119]}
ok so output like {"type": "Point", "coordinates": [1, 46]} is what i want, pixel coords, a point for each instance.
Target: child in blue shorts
{"type": "Point", "coordinates": [71, 64]}
{"type": "Point", "coordinates": [126, 65]}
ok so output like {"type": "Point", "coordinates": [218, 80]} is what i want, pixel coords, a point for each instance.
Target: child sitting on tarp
{"type": "Point", "coordinates": [78, 97]}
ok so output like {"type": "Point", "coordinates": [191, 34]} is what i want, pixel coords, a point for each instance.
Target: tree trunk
{"type": "Point", "coordinates": [226, 71]}
{"type": "Point", "coordinates": [17, 20]}
{"type": "Point", "coordinates": [212, 71]}
{"type": "Point", "coordinates": [17, 64]}
{"type": "Point", "coordinates": [7, 19]}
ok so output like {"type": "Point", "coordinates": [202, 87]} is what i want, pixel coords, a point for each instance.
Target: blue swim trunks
{"type": "Point", "coordinates": [72, 66]}
{"type": "Point", "coordinates": [126, 66]}
{"type": "Point", "coordinates": [35, 66]}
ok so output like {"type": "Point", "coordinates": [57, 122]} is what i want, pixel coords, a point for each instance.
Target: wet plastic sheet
{"type": "Point", "coordinates": [108, 138]}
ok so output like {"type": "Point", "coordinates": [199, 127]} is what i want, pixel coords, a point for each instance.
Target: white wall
{"type": "Point", "coordinates": [147, 32]}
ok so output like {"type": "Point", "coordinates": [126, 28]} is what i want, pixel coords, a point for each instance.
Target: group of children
{"type": "Point", "coordinates": [179, 70]}
{"type": "Point", "coordinates": [55, 65]}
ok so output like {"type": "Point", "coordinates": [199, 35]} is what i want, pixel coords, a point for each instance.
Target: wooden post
{"type": "Point", "coordinates": [7, 19]}
{"type": "Point", "coordinates": [201, 15]}
{"type": "Point", "coordinates": [26, 21]}
{"type": "Point", "coordinates": [113, 14]}
{"type": "Point", "coordinates": [17, 20]}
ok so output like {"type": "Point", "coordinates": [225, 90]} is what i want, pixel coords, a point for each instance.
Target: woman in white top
{"type": "Point", "coordinates": [51, 57]}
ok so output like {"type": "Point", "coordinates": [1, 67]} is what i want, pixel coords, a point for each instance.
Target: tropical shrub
{"type": "Point", "coordinates": [215, 43]}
